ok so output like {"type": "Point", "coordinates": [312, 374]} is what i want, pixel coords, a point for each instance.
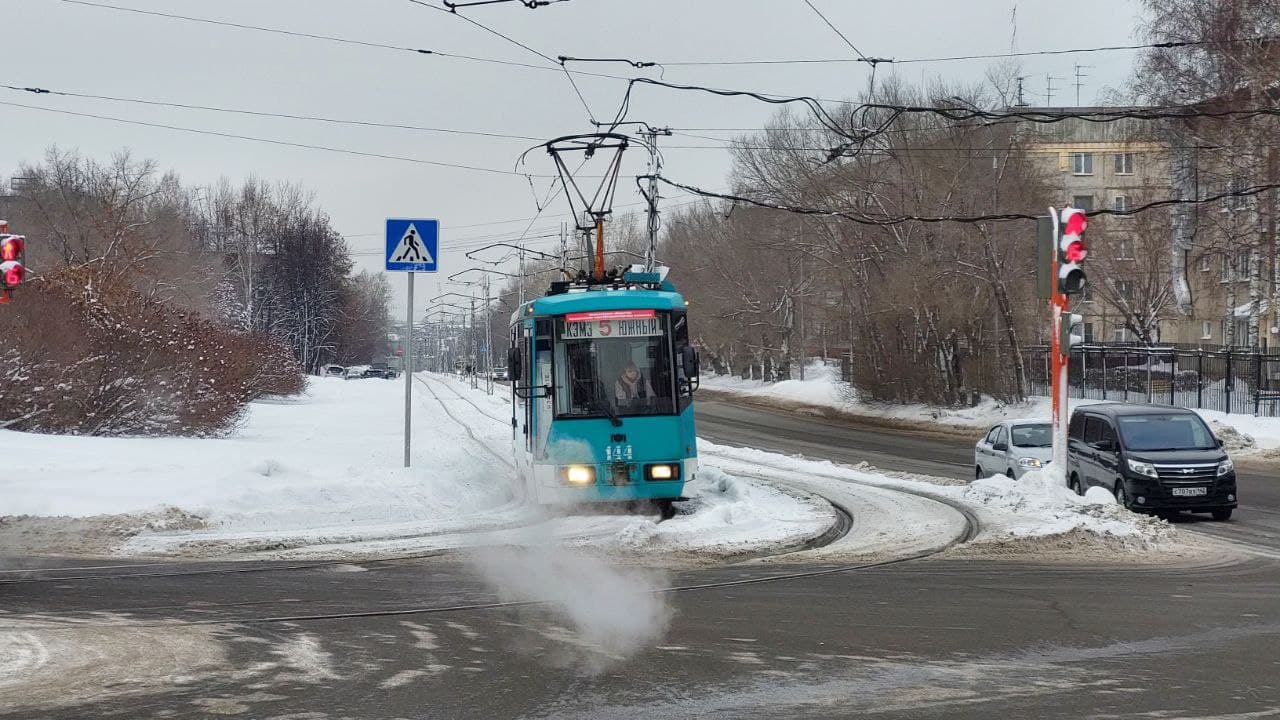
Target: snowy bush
{"type": "Point", "coordinates": [85, 356]}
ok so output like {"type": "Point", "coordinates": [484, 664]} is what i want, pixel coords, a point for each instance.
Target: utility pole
{"type": "Point", "coordinates": [520, 281]}
{"type": "Point", "coordinates": [650, 134]}
{"type": "Point", "coordinates": [488, 340]}
{"type": "Point", "coordinates": [1022, 99]}
{"type": "Point", "coordinates": [564, 247]}
{"type": "Point", "coordinates": [475, 354]}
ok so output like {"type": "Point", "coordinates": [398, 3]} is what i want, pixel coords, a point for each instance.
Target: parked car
{"type": "Point", "coordinates": [500, 374]}
{"type": "Point", "coordinates": [337, 371]}
{"type": "Point", "coordinates": [1152, 457]}
{"type": "Point", "coordinates": [381, 370]}
{"type": "Point", "coordinates": [1013, 448]}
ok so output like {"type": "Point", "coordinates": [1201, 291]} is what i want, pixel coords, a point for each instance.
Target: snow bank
{"type": "Point", "coordinates": [1034, 507]}
{"type": "Point", "coordinates": [821, 387]}
{"type": "Point", "coordinates": [327, 460]}
{"type": "Point", "coordinates": [1038, 505]}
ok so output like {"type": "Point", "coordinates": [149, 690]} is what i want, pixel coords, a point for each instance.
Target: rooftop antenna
{"type": "Point", "coordinates": [1080, 80]}
{"type": "Point", "coordinates": [1048, 89]}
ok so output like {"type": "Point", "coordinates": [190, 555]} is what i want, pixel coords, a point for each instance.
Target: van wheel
{"type": "Point", "coordinates": [1122, 497]}
{"type": "Point", "coordinates": [1222, 515]}
{"type": "Point", "coordinates": [977, 473]}
{"type": "Point", "coordinates": [1074, 485]}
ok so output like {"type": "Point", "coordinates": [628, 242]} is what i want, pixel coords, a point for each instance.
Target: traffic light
{"type": "Point", "coordinates": [12, 271]}
{"type": "Point", "coordinates": [1072, 250]}
{"type": "Point", "coordinates": [1072, 332]}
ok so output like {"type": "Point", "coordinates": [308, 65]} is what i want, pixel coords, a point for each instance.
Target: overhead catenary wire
{"type": "Point", "coordinates": [263, 113]}
{"type": "Point", "coordinates": [884, 220]}
{"type": "Point", "coordinates": [976, 56]}
{"type": "Point", "coordinates": [272, 141]}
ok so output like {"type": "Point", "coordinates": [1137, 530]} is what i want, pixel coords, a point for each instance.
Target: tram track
{"type": "Point", "coordinates": [845, 520]}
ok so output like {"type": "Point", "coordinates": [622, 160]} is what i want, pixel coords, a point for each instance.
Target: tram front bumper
{"type": "Point", "coordinates": [617, 482]}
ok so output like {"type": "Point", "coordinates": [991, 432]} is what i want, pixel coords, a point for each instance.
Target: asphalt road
{"type": "Point", "coordinates": [415, 639]}
{"type": "Point", "coordinates": [1256, 522]}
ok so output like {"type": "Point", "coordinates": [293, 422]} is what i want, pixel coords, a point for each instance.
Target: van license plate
{"type": "Point", "coordinates": [1190, 491]}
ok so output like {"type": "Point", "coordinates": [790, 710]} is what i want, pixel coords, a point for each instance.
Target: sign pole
{"type": "Point", "coordinates": [408, 371]}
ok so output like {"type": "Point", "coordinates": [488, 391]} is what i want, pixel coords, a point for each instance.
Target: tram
{"type": "Point", "coordinates": [603, 377]}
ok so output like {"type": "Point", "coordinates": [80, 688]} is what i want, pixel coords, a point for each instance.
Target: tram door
{"type": "Point", "coordinates": [542, 398]}
{"type": "Point", "coordinates": [522, 407]}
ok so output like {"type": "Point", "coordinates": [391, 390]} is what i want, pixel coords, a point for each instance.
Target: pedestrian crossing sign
{"type": "Point", "coordinates": [412, 245]}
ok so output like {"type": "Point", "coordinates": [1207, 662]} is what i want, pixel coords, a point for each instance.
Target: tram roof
{"type": "Point", "coordinates": [606, 300]}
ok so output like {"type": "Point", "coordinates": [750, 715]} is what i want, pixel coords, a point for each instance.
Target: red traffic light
{"type": "Point", "coordinates": [12, 274]}
{"type": "Point", "coordinates": [1076, 221]}
{"type": "Point", "coordinates": [11, 247]}
{"type": "Point", "coordinates": [1075, 250]}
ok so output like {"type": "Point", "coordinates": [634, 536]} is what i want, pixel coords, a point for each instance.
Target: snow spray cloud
{"type": "Point", "coordinates": [609, 613]}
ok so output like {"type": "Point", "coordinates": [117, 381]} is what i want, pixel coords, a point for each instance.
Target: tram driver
{"type": "Point", "coordinates": [632, 387]}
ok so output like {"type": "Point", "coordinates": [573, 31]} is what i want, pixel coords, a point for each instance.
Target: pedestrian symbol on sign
{"type": "Point", "coordinates": [411, 249]}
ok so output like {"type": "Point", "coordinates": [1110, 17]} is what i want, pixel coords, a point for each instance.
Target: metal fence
{"type": "Point", "coordinates": [1229, 380]}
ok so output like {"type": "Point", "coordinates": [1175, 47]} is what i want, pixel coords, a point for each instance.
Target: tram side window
{"type": "Point", "coordinates": [679, 339]}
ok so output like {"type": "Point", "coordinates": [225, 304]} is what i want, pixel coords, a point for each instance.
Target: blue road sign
{"type": "Point", "coordinates": [412, 245]}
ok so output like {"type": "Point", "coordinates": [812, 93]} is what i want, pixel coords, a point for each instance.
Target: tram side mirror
{"type": "Point", "coordinates": [513, 364]}
{"type": "Point", "coordinates": [689, 363]}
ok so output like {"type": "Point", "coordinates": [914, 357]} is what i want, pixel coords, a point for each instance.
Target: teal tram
{"type": "Point", "coordinates": [602, 377]}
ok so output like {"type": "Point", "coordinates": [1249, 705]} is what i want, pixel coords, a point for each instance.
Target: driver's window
{"type": "Point", "coordinates": [1002, 436]}
{"type": "Point", "coordinates": [991, 436]}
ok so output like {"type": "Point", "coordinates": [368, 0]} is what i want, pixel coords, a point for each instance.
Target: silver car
{"type": "Point", "coordinates": [1012, 448]}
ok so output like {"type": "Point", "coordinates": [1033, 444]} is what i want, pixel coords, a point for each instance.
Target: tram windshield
{"type": "Point", "coordinates": [614, 364]}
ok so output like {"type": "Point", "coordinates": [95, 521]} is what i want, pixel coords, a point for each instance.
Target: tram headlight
{"type": "Point", "coordinates": [663, 472]}
{"type": "Point", "coordinates": [579, 474]}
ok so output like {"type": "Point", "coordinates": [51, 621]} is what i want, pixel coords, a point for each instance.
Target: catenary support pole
{"type": "Point", "coordinates": [408, 371]}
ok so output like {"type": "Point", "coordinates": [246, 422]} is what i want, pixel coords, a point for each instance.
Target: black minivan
{"type": "Point", "coordinates": [1152, 457]}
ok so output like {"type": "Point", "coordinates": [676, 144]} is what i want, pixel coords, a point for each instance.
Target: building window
{"type": "Point", "coordinates": [1124, 248]}
{"type": "Point", "coordinates": [1125, 163]}
{"type": "Point", "coordinates": [1086, 295]}
{"type": "Point", "coordinates": [1082, 202]}
{"type": "Point", "coordinates": [1082, 163]}
{"type": "Point", "coordinates": [1225, 274]}
{"type": "Point", "coordinates": [1120, 203]}
{"type": "Point", "coordinates": [1204, 263]}
{"type": "Point", "coordinates": [1242, 265]}
{"type": "Point", "coordinates": [1088, 332]}
{"type": "Point", "coordinates": [1120, 335]}
{"type": "Point", "coordinates": [1124, 288]}
{"type": "Point", "coordinates": [1242, 333]}
{"type": "Point", "coordinates": [1206, 330]}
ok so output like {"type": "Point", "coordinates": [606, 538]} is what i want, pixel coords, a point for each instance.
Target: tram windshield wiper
{"type": "Point", "coordinates": [607, 406]}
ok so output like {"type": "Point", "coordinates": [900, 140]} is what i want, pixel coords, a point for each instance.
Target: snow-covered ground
{"type": "Point", "coordinates": [320, 476]}
{"type": "Point", "coordinates": [822, 388]}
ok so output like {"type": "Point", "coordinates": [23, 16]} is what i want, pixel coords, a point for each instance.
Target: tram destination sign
{"type": "Point", "coordinates": [611, 323]}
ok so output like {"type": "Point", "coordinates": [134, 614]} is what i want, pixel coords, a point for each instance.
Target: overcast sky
{"type": "Point", "coordinates": [62, 45]}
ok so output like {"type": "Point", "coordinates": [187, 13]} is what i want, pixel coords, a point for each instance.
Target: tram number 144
{"type": "Point", "coordinates": [603, 328]}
